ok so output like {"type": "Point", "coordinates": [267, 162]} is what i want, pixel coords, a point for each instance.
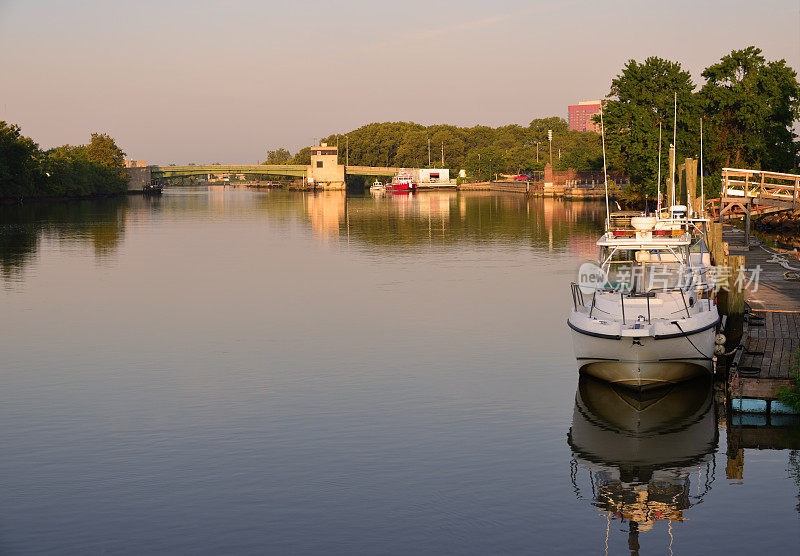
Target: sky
{"type": "Point", "coordinates": [204, 81]}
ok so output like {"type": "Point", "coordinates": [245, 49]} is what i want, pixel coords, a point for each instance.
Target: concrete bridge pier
{"type": "Point", "coordinates": [140, 176]}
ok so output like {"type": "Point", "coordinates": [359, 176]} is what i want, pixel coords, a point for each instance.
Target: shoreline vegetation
{"type": "Point", "coordinates": [67, 172]}
{"type": "Point", "coordinates": [748, 106]}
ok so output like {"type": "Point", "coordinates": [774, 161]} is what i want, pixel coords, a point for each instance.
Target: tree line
{"type": "Point", "coordinates": [748, 106]}
{"type": "Point", "coordinates": [26, 170]}
{"type": "Point", "coordinates": [480, 150]}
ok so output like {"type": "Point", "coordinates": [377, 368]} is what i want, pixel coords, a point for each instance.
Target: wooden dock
{"type": "Point", "coordinates": [771, 339]}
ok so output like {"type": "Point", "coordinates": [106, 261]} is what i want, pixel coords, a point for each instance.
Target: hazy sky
{"type": "Point", "coordinates": [225, 80]}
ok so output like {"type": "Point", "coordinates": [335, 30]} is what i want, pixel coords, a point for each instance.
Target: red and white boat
{"type": "Point", "coordinates": [403, 181]}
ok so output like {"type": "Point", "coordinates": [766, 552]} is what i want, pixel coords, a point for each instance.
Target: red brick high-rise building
{"type": "Point", "coordinates": [581, 114]}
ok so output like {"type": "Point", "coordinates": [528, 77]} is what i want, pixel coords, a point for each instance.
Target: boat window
{"type": "Point", "coordinates": [618, 265]}
{"type": "Point", "coordinates": [643, 270]}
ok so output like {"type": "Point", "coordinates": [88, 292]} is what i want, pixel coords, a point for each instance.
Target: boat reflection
{"type": "Point", "coordinates": [649, 455]}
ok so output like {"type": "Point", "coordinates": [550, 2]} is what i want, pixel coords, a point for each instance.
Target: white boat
{"type": "Point", "coordinates": [645, 315]}
{"type": "Point", "coordinates": [377, 185]}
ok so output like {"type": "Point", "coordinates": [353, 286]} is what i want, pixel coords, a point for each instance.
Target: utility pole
{"type": "Point", "coordinates": [347, 158]}
{"type": "Point", "coordinates": [429, 152]}
{"type": "Point", "coordinates": [559, 153]}
{"type": "Point", "coordinates": [550, 138]}
{"type": "Point", "coordinates": [442, 154]}
{"type": "Point", "coordinates": [537, 151]}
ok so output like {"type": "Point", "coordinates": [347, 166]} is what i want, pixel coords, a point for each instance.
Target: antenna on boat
{"type": "Point", "coordinates": [658, 183]}
{"type": "Point", "coordinates": [674, 149]}
{"type": "Point", "coordinates": [605, 173]}
{"type": "Point", "coordinates": [702, 191]}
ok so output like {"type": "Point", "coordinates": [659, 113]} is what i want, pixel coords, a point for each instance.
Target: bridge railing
{"type": "Point", "coordinates": [756, 184]}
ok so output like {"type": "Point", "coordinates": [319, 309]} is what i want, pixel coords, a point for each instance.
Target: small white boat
{"type": "Point", "coordinates": [645, 315]}
{"type": "Point", "coordinates": [377, 185]}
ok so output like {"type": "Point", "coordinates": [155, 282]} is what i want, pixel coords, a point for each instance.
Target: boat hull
{"type": "Point", "coordinates": [645, 362]}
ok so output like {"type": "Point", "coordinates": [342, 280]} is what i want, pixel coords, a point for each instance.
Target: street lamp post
{"type": "Point", "coordinates": [550, 138]}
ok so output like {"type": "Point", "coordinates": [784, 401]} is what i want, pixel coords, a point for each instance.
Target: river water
{"type": "Point", "coordinates": [248, 372]}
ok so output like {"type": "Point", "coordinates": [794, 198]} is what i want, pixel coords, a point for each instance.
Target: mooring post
{"type": "Point", "coordinates": [747, 208]}
{"type": "Point", "coordinates": [717, 249]}
{"type": "Point", "coordinates": [736, 299]}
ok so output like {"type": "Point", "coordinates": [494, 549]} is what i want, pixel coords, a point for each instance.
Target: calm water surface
{"type": "Point", "coordinates": [240, 372]}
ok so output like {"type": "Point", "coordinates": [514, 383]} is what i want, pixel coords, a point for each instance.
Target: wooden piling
{"type": "Point", "coordinates": [691, 185]}
{"type": "Point", "coordinates": [735, 310]}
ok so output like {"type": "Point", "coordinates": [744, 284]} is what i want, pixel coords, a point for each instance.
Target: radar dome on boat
{"type": "Point", "coordinates": [643, 223]}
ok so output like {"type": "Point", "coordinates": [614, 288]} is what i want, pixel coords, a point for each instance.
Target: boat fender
{"type": "Point", "coordinates": [720, 339]}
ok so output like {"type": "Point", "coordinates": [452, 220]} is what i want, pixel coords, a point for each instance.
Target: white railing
{"type": "Point", "coordinates": [755, 184]}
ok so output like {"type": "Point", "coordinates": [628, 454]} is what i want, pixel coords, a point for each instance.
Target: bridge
{"type": "Point", "coordinates": [746, 191]}
{"type": "Point", "coordinates": [323, 171]}
{"type": "Point", "coordinates": [288, 170]}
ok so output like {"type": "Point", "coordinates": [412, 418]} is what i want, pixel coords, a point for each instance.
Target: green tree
{"type": "Point", "coordinates": [641, 97]}
{"type": "Point", "coordinates": [752, 105]}
{"type": "Point", "coordinates": [303, 156]}
{"type": "Point", "coordinates": [278, 156]}
{"type": "Point", "coordinates": [405, 144]}
{"type": "Point", "coordinates": [485, 162]}
{"type": "Point", "coordinates": [66, 171]}
{"type": "Point", "coordinates": [20, 164]}
{"type": "Point", "coordinates": [103, 150]}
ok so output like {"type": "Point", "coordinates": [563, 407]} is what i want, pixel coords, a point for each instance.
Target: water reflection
{"type": "Point", "coordinates": [649, 455]}
{"type": "Point", "coordinates": [99, 222]}
{"type": "Point", "coordinates": [397, 222]}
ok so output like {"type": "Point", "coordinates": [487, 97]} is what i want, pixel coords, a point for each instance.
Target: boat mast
{"type": "Point", "coordinates": [702, 191]}
{"type": "Point", "coordinates": [658, 183]}
{"type": "Point", "coordinates": [674, 149]}
{"type": "Point", "coordinates": [605, 172]}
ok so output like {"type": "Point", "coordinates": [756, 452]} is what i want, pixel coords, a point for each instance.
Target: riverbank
{"type": "Point", "coordinates": [66, 198]}
{"type": "Point", "coordinates": [783, 226]}
{"type": "Point", "coordinates": [28, 172]}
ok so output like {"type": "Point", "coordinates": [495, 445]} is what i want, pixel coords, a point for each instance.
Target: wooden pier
{"type": "Point", "coordinates": [771, 335]}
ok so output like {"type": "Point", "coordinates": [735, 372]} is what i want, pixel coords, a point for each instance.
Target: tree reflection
{"type": "Point", "coordinates": [99, 222]}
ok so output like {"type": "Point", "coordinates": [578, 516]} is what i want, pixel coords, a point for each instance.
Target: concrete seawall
{"type": "Point", "coordinates": [138, 179]}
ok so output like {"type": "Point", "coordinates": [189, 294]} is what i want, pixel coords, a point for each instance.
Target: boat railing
{"type": "Point", "coordinates": [577, 296]}
{"type": "Point", "coordinates": [580, 305]}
